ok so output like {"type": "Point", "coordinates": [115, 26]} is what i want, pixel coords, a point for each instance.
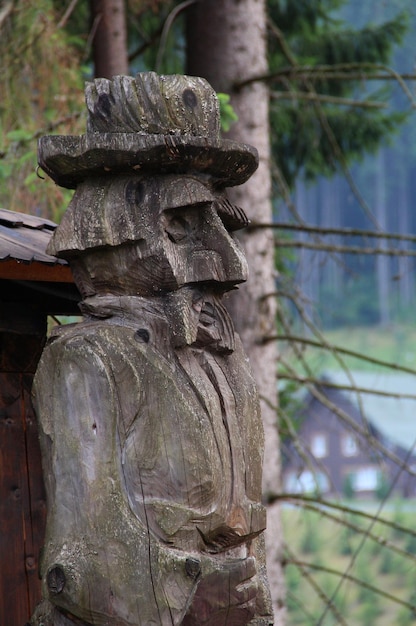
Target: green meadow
{"type": "Point", "coordinates": [353, 571]}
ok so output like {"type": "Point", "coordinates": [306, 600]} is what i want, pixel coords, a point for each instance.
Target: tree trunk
{"type": "Point", "coordinates": [227, 44]}
{"type": "Point", "coordinates": [110, 38]}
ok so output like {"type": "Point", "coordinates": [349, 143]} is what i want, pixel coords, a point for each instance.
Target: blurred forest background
{"type": "Point", "coordinates": [339, 76]}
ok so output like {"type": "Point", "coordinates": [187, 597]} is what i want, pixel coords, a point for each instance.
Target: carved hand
{"type": "Point", "coordinates": [226, 597]}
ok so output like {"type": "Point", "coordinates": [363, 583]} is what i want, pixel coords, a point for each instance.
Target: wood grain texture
{"type": "Point", "coordinates": [152, 124]}
{"type": "Point", "coordinates": [22, 495]}
{"type": "Point", "coordinates": [150, 428]}
{"type": "Point", "coordinates": [188, 472]}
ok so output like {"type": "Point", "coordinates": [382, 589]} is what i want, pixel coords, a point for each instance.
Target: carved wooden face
{"type": "Point", "coordinates": [199, 248]}
{"type": "Point", "coordinates": [164, 232]}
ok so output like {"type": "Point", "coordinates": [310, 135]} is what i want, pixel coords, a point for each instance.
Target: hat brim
{"type": "Point", "coordinates": [70, 160]}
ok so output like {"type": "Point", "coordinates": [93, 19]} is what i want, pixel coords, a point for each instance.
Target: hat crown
{"type": "Point", "coordinates": [167, 124]}
{"type": "Point", "coordinates": [151, 104]}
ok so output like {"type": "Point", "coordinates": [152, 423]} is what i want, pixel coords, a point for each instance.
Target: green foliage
{"type": "Point", "coordinates": [348, 486]}
{"type": "Point", "coordinates": [41, 84]}
{"type": "Point", "coordinates": [156, 42]}
{"type": "Point", "coordinates": [227, 113]}
{"type": "Point", "coordinates": [387, 562]}
{"type": "Point", "coordinates": [289, 408]}
{"type": "Point", "coordinates": [410, 545]}
{"type": "Point", "coordinates": [292, 578]}
{"type": "Point", "coordinates": [372, 44]}
{"type": "Point", "coordinates": [311, 538]}
{"type": "Point", "coordinates": [345, 545]}
{"type": "Point", "coordinates": [368, 561]}
{"type": "Point", "coordinates": [382, 568]}
{"type": "Point", "coordinates": [370, 610]}
{"type": "Point", "coordinates": [300, 143]}
{"type": "Point", "coordinates": [300, 18]}
{"type": "Point", "coordinates": [400, 520]}
{"type": "Point", "coordinates": [383, 487]}
{"type": "Point", "coordinates": [45, 69]}
{"type": "Point", "coordinates": [360, 304]}
{"type": "Point", "coordinates": [405, 617]}
{"type": "Point", "coordinates": [310, 135]}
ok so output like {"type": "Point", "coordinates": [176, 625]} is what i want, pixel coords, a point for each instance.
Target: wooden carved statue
{"type": "Point", "coordinates": [150, 428]}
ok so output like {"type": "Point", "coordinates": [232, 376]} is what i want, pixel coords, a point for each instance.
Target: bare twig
{"type": "Point", "coordinates": [366, 435]}
{"type": "Point", "coordinates": [332, 504]}
{"type": "Point", "coordinates": [5, 12]}
{"type": "Point", "coordinates": [305, 565]}
{"type": "Point", "coordinates": [64, 19]}
{"type": "Point", "coordinates": [355, 389]}
{"type": "Point", "coordinates": [166, 28]}
{"type": "Point", "coordinates": [341, 71]}
{"type": "Point", "coordinates": [286, 243]}
{"type": "Point", "coordinates": [303, 568]}
{"type": "Point", "coordinates": [341, 350]}
{"type": "Point", "coordinates": [319, 97]}
{"type": "Point", "coordinates": [381, 541]}
{"type": "Point", "coordinates": [324, 230]}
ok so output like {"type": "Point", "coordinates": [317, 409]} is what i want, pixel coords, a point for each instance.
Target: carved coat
{"type": "Point", "coordinates": [151, 448]}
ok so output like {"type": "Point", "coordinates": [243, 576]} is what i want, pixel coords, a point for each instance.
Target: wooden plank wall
{"type": "Point", "coordinates": [22, 496]}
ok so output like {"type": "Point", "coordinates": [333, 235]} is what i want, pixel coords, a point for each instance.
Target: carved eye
{"type": "Point", "coordinates": [177, 229]}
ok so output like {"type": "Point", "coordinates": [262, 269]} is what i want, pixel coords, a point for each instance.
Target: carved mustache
{"type": "Point", "coordinates": [232, 216]}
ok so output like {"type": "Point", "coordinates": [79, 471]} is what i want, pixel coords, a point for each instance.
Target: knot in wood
{"type": "Point", "coordinates": [193, 567]}
{"type": "Point", "coordinates": [56, 579]}
{"type": "Point", "coordinates": [142, 335]}
{"type": "Point", "coordinates": [189, 98]}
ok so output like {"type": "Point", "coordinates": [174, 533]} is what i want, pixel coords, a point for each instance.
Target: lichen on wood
{"type": "Point", "coordinates": [151, 433]}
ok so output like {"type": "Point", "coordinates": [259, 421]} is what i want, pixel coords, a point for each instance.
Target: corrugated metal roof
{"type": "Point", "coordinates": [30, 279]}
{"type": "Point", "coordinates": [24, 238]}
{"type": "Point", "coordinates": [393, 416]}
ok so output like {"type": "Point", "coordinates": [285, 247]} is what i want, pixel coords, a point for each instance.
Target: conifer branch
{"type": "Point", "coordinates": [323, 120]}
{"type": "Point", "coordinates": [318, 97]}
{"type": "Point", "coordinates": [336, 72]}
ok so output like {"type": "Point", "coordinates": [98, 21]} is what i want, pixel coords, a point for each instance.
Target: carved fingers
{"type": "Point", "coordinates": [226, 597]}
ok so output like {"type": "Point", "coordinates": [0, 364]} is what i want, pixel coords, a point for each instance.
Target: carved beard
{"type": "Point", "coordinates": [215, 327]}
{"type": "Point", "coordinates": [198, 318]}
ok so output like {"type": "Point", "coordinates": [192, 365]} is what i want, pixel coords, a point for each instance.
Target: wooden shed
{"type": "Point", "coordinates": [33, 285]}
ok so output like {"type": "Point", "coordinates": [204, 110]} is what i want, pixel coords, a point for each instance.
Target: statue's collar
{"type": "Point", "coordinates": [125, 309]}
{"type": "Point", "coordinates": [179, 317]}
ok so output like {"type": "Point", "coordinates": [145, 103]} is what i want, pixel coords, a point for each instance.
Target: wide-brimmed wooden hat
{"type": "Point", "coordinates": [148, 123]}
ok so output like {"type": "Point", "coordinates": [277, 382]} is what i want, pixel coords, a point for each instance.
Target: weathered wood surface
{"type": "Point", "coordinates": [29, 277]}
{"type": "Point", "coordinates": [151, 434]}
{"type": "Point", "coordinates": [25, 238]}
{"type": "Point", "coordinates": [148, 124]}
{"type": "Point", "coordinates": [22, 495]}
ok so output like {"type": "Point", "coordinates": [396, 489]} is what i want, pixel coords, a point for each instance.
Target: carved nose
{"type": "Point", "coordinates": [233, 261]}
{"type": "Point", "coordinates": [221, 267]}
